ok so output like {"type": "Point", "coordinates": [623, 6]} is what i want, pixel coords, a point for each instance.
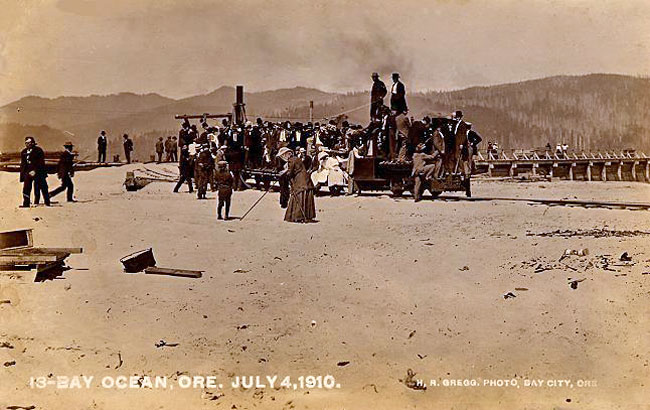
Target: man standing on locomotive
{"type": "Point", "coordinates": [399, 122]}
{"type": "Point", "coordinates": [377, 94]}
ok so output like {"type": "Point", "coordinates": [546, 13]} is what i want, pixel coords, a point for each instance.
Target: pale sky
{"type": "Point", "coordinates": [181, 48]}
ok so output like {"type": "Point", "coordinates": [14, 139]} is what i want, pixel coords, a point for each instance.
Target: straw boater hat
{"type": "Point", "coordinates": [283, 151]}
{"type": "Point", "coordinates": [322, 155]}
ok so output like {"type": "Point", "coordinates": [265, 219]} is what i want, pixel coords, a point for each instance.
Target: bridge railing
{"type": "Point", "coordinates": [552, 155]}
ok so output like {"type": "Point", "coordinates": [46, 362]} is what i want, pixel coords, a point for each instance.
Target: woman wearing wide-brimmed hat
{"type": "Point", "coordinates": [301, 207]}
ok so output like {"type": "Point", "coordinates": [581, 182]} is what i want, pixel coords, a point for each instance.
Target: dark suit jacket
{"type": "Point", "coordinates": [66, 164]}
{"type": "Point", "coordinates": [101, 143]}
{"type": "Point", "coordinates": [128, 145]}
{"type": "Point", "coordinates": [32, 160]}
{"type": "Point", "coordinates": [398, 100]}
{"type": "Point", "coordinates": [378, 91]}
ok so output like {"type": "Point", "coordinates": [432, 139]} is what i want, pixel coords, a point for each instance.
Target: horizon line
{"type": "Point", "coordinates": [351, 91]}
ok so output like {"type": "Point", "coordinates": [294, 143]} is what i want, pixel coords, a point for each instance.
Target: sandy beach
{"type": "Point", "coordinates": [376, 287]}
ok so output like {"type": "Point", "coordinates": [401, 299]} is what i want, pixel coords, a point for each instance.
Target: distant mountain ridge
{"type": "Point", "coordinates": [589, 111]}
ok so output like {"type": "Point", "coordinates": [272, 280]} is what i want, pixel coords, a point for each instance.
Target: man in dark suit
{"type": "Point", "coordinates": [128, 148]}
{"type": "Point", "coordinates": [377, 94]}
{"type": "Point", "coordinates": [160, 148]}
{"type": "Point", "coordinates": [170, 146]}
{"type": "Point", "coordinates": [185, 169]}
{"type": "Point", "coordinates": [174, 145]}
{"type": "Point", "coordinates": [33, 171]}
{"type": "Point", "coordinates": [101, 146]}
{"type": "Point", "coordinates": [398, 96]}
{"type": "Point", "coordinates": [66, 172]}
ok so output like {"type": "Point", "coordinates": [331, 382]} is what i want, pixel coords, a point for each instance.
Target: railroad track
{"type": "Point", "coordinates": [557, 202]}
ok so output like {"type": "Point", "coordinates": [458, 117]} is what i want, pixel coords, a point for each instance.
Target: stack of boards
{"type": "Point", "coordinates": [18, 255]}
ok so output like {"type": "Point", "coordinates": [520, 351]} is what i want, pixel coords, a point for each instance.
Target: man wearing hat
{"type": "Point", "coordinates": [174, 151]}
{"type": "Point", "coordinates": [204, 168]}
{"type": "Point", "coordinates": [169, 146]}
{"type": "Point", "coordinates": [224, 181]}
{"type": "Point", "coordinates": [185, 169]}
{"type": "Point", "coordinates": [33, 171]}
{"type": "Point", "coordinates": [128, 148]}
{"type": "Point", "coordinates": [101, 146]}
{"type": "Point", "coordinates": [398, 96]}
{"type": "Point", "coordinates": [377, 94]}
{"type": "Point", "coordinates": [160, 148]}
{"type": "Point", "coordinates": [66, 172]}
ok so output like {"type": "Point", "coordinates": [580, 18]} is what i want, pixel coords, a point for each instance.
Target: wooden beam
{"type": "Point", "coordinates": [67, 250]}
{"type": "Point", "coordinates": [173, 272]}
{"type": "Point", "coordinates": [40, 251]}
{"type": "Point", "coordinates": [28, 259]}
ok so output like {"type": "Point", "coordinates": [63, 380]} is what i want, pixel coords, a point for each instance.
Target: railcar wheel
{"type": "Point", "coordinates": [335, 190]}
{"type": "Point", "coordinates": [397, 189]}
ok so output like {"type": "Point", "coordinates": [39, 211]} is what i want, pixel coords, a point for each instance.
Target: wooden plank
{"type": "Point", "coordinates": [62, 250]}
{"type": "Point", "coordinates": [28, 259]}
{"type": "Point", "coordinates": [42, 251]}
{"type": "Point", "coordinates": [18, 239]}
{"type": "Point", "coordinates": [173, 272]}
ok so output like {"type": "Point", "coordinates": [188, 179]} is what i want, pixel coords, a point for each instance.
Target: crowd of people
{"type": "Point", "coordinates": [304, 155]}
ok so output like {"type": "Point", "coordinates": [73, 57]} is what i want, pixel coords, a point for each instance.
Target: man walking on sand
{"type": "Point", "coordinates": [66, 172]}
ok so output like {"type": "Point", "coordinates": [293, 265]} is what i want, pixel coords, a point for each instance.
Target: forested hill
{"type": "Point", "coordinates": [598, 111]}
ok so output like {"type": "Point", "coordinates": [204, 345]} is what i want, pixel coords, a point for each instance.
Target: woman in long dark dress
{"type": "Point", "coordinates": [301, 207]}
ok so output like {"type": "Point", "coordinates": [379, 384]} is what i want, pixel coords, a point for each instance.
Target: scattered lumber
{"type": "Point", "coordinates": [145, 261]}
{"type": "Point", "coordinates": [153, 270]}
{"type": "Point", "coordinates": [17, 253]}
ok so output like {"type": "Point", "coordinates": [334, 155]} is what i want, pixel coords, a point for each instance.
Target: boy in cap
{"type": "Point", "coordinates": [66, 172]}
{"type": "Point", "coordinates": [224, 181]}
